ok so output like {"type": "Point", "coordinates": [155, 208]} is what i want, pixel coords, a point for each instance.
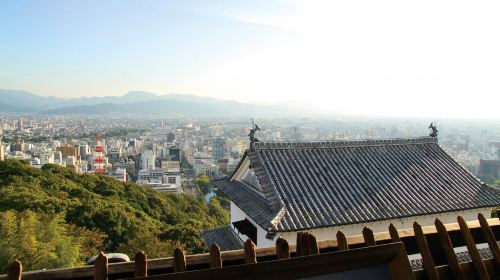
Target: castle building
{"type": "Point", "coordinates": [279, 189]}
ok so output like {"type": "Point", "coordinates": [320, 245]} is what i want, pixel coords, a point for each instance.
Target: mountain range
{"type": "Point", "coordinates": [136, 102]}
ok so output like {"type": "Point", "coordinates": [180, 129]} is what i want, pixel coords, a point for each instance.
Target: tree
{"type": "Point", "coordinates": [41, 241]}
{"type": "Point", "coordinates": [215, 209]}
{"type": "Point", "coordinates": [203, 182]}
{"type": "Point", "coordinates": [153, 246]}
{"type": "Point", "coordinates": [89, 213]}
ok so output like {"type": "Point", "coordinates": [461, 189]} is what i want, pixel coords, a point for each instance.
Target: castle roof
{"type": "Point", "coordinates": [323, 184]}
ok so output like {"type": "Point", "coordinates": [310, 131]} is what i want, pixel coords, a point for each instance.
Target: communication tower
{"type": "Point", "coordinates": [99, 156]}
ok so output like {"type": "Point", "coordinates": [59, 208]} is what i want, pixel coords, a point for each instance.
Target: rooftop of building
{"type": "Point", "coordinates": [307, 185]}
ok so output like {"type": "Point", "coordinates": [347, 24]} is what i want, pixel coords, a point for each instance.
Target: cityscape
{"type": "Point", "coordinates": [168, 154]}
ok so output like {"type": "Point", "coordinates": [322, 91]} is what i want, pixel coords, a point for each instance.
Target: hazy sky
{"type": "Point", "coordinates": [409, 58]}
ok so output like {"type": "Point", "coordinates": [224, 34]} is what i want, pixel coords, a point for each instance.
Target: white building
{"type": "Point", "coordinates": [161, 179]}
{"type": "Point", "coordinates": [323, 187]}
{"type": "Point", "coordinates": [148, 159]}
{"type": "Point", "coordinates": [119, 174]}
{"type": "Point", "coordinates": [46, 157]}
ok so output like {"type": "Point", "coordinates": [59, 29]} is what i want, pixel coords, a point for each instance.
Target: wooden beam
{"type": "Point", "coordinates": [490, 238]}
{"type": "Point", "coordinates": [179, 260]}
{"type": "Point", "coordinates": [238, 255]}
{"type": "Point", "coordinates": [282, 249]}
{"type": "Point", "coordinates": [471, 247]}
{"type": "Point", "coordinates": [141, 264]}
{"type": "Point", "coordinates": [310, 266]}
{"type": "Point", "coordinates": [450, 254]}
{"type": "Point", "coordinates": [342, 241]}
{"type": "Point", "coordinates": [428, 261]}
{"type": "Point", "coordinates": [15, 270]}
{"type": "Point", "coordinates": [215, 257]}
{"type": "Point", "coordinates": [101, 267]}
{"type": "Point", "coordinates": [250, 256]}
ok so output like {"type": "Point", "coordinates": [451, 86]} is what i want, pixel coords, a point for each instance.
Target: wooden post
{"type": "Point", "coordinates": [101, 267]}
{"type": "Point", "coordinates": [368, 236]}
{"type": "Point", "coordinates": [215, 257]}
{"type": "Point", "coordinates": [141, 264]}
{"type": "Point", "coordinates": [250, 256]}
{"type": "Point", "coordinates": [342, 241]}
{"type": "Point", "coordinates": [299, 246]}
{"type": "Point", "coordinates": [15, 270]}
{"type": "Point", "coordinates": [490, 237]}
{"type": "Point", "coordinates": [450, 254]}
{"type": "Point", "coordinates": [179, 260]}
{"type": "Point", "coordinates": [394, 233]}
{"type": "Point", "coordinates": [312, 244]}
{"type": "Point", "coordinates": [282, 249]}
{"type": "Point", "coordinates": [428, 261]}
{"type": "Point", "coordinates": [471, 247]}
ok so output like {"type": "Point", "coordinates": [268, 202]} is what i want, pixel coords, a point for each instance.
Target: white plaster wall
{"type": "Point", "coordinates": [237, 215]}
{"type": "Point", "coordinates": [356, 229]}
{"type": "Point", "coordinates": [383, 226]}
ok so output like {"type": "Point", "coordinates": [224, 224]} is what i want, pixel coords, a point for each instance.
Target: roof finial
{"type": "Point", "coordinates": [434, 132]}
{"type": "Point", "coordinates": [254, 129]}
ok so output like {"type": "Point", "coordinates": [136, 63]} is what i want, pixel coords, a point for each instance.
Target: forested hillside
{"type": "Point", "coordinates": [51, 217]}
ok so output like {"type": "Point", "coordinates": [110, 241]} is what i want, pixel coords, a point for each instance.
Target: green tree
{"type": "Point", "coordinates": [217, 211]}
{"type": "Point", "coordinates": [203, 182]}
{"type": "Point", "coordinates": [89, 213]}
{"type": "Point", "coordinates": [39, 241]}
{"type": "Point", "coordinates": [151, 245]}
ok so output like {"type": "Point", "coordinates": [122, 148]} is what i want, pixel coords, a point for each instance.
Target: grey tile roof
{"type": "Point", "coordinates": [223, 236]}
{"type": "Point", "coordinates": [255, 205]}
{"type": "Point", "coordinates": [324, 184]}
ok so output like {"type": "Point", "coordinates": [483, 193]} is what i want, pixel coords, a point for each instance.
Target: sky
{"type": "Point", "coordinates": [437, 59]}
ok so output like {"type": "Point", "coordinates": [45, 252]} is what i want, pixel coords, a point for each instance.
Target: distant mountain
{"type": "Point", "coordinates": [173, 107]}
{"type": "Point", "coordinates": [25, 100]}
{"type": "Point", "coordinates": [136, 102]}
{"type": "Point", "coordinates": [7, 108]}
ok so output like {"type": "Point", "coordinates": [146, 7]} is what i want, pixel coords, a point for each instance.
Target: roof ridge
{"type": "Point", "coordinates": [344, 143]}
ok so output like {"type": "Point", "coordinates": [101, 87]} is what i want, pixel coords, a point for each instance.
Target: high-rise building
{"type": "Point", "coordinates": [148, 159]}
{"type": "Point", "coordinates": [218, 148]}
{"type": "Point", "coordinates": [18, 146]}
{"type": "Point", "coordinates": [69, 151]}
{"type": "Point", "coordinates": [2, 147]}
{"type": "Point", "coordinates": [2, 152]}
{"type": "Point", "coordinates": [170, 137]}
{"type": "Point", "coordinates": [84, 150]}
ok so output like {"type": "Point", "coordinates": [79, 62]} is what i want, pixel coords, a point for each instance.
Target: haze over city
{"type": "Point", "coordinates": [426, 59]}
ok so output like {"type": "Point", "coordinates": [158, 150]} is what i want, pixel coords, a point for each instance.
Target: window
{"type": "Point", "coordinates": [247, 228]}
{"type": "Point", "coordinates": [171, 180]}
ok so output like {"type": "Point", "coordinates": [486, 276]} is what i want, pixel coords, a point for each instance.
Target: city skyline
{"type": "Point", "coordinates": [385, 58]}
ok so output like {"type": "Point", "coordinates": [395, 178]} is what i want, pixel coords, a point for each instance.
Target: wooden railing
{"type": "Point", "coordinates": [434, 243]}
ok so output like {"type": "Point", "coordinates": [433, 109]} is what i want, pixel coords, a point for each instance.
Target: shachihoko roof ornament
{"type": "Point", "coordinates": [434, 129]}
{"type": "Point", "coordinates": [254, 129]}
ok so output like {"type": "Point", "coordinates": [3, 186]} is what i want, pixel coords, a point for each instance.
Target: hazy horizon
{"type": "Point", "coordinates": [389, 58]}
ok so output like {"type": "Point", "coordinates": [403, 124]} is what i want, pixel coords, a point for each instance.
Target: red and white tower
{"type": "Point", "coordinates": [99, 156]}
